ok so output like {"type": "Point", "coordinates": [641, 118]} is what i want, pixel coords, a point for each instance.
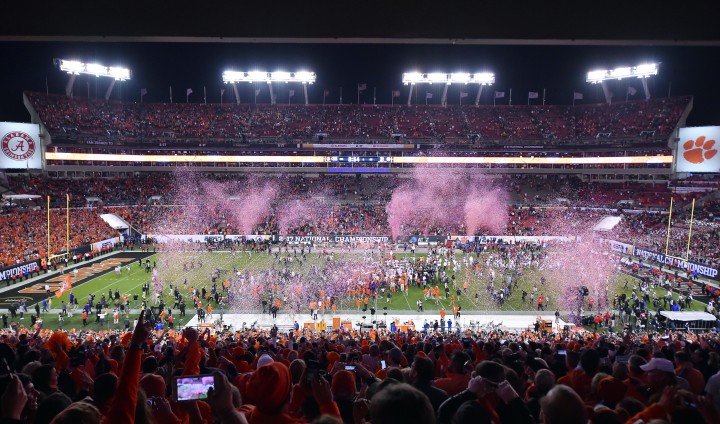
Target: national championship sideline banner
{"type": "Point", "coordinates": [214, 238]}
{"type": "Point", "coordinates": [649, 255]}
{"type": "Point", "coordinates": [674, 262]}
{"type": "Point", "coordinates": [19, 269]}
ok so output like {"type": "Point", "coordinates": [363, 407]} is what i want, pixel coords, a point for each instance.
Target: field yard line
{"type": "Point", "coordinates": [117, 281]}
{"type": "Point", "coordinates": [136, 286]}
{"type": "Point", "coordinates": [212, 263]}
{"type": "Point", "coordinates": [470, 299]}
{"type": "Point", "coordinates": [123, 278]}
{"type": "Point", "coordinates": [406, 301]}
{"type": "Point", "coordinates": [101, 290]}
{"type": "Point", "coordinates": [442, 305]}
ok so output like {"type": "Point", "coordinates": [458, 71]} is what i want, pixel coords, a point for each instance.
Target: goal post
{"type": "Point", "coordinates": [50, 255]}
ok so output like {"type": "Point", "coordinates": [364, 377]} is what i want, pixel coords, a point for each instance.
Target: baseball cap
{"type": "Point", "coordinates": [659, 364]}
{"type": "Point", "coordinates": [264, 359]}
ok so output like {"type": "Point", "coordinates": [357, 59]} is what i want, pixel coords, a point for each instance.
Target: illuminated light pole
{"type": "Point", "coordinates": [480, 78]}
{"type": "Point", "coordinates": [303, 77]}
{"type": "Point", "coordinates": [75, 68]}
{"type": "Point", "coordinates": [643, 72]}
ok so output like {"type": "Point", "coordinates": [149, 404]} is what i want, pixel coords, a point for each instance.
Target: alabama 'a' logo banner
{"type": "Point", "coordinates": [18, 145]}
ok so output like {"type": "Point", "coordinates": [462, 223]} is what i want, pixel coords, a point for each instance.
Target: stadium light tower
{"type": "Point", "coordinates": [303, 77]}
{"type": "Point", "coordinates": [643, 72]}
{"type": "Point", "coordinates": [480, 78]}
{"type": "Point", "coordinates": [75, 68]}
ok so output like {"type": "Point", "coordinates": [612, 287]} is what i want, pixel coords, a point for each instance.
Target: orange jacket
{"type": "Point", "coordinates": [453, 383]}
{"type": "Point", "coordinates": [650, 413]}
{"type": "Point", "coordinates": [192, 360]}
{"type": "Point", "coordinates": [122, 407]}
{"type": "Point", "coordinates": [579, 381]}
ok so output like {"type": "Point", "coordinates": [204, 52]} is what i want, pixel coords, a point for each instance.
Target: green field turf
{"type": "Point", "coordinates": [171, 270]}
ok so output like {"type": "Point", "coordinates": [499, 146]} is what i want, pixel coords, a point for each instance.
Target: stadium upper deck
{"type": "Point", "coordinates": [95, 121]}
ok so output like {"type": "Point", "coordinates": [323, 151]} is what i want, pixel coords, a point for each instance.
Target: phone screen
{"type": "Point", "coordinates": [350, 367]}
{"type": "Point", "coordinates": [562, 352]}
{"type": "Point", "coordinates": [383, 364]}
{"type": "Point", "coordinates": [193, 387]}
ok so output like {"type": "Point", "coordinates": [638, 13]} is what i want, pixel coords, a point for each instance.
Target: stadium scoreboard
{"type": "Point", "coordinates": [359, 159]}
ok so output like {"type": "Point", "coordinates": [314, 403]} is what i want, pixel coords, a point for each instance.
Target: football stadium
{"type": "Point", "coordinates": [271, 251]}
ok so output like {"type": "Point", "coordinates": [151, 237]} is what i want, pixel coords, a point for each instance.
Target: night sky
{"type": "Point", "coordinates": [559, 69]}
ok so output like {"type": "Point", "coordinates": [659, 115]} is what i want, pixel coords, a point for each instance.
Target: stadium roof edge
{"type": "Point", "coordinates": [358, 40]}
{"type": "Point", "coordinates": [369, 21]}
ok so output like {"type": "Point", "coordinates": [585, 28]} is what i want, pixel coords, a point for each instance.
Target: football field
{"type": "Point", "coordinates": [195, 270]}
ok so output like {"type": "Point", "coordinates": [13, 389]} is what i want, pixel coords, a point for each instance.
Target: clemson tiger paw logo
{"type": "Point", "coordinates": [699, 150]}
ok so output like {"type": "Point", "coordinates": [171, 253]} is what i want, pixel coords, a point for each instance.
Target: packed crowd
{"type": "Point", "coordinates": [544, 190]}
{"type": "Point", "coordinates": [651, 232]}
{"type": "Point", "coordinates": [133, 190]}
{"type": "Point", "coordinates": [114, 122]}
{"type": "Point", "coordinates": [337, 205]}
{"type": "Point", "coordinates": [645, 230]}
{"type": "Point", "coordinates": [143, 188]}
{"type": "Point", "coordinates": [354, 377]}
{"type": "Point", "coordinates": [24, 234]}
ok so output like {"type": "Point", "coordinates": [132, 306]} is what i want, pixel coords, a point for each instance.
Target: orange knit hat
{"type": "Point", "coordinates": [271, 387]}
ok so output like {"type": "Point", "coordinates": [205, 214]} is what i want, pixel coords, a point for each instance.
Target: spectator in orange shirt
{"type": "Point", "coordinates": [686, 370]}
{"type": "Point", "coordinates": [457, 375]}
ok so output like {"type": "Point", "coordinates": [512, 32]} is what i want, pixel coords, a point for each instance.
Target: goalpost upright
{"type": "Point", "coordinates": [49, 253]}
{"type": "Point", "coordinates": [67, 225]}
{"type": "Point", "coordinates": [67, 229]}
{"type": "Point", "coordinates": [692, 215]}
{"type": "Point", "coordinates": [667, 237]}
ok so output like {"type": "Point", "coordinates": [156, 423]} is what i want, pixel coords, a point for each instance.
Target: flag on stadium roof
{"type": "Point", "coordinates": [362, 87]}
{"type": "Point", "coordinates": [463, 94]}
{"type": "Point", "coordinates": [631, 91]}
{"type": "Point", "coordinates": [499, 94]}
{"type": "Point", "coordinates": [533, 94]}
{"type": "Point", "coordinates": [577, 96]}
{"type": "Point", "coordinates": [396, 93]}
